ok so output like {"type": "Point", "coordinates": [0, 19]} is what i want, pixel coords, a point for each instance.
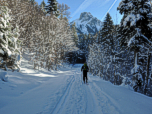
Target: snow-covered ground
{"type": "Point", "coordinates": [62, 92]}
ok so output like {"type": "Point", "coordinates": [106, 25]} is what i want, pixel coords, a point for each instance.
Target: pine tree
{"type": "Point", "coordinates": [123, 32]}
{"type": "Point", "coordinates": [135, 23]}
{"type": "Point", "coordinates": [124, 7]}
{"type": "Point", "coordinates": [106, 33]}
{"type": "Point", "coordinates": [42, 6]}
{"type": "Point", "coordinates": [107, 29]}
{"type": "Point", "coordinates": [52, 8]}
{"type": "Point", "coordinates": [107, 42]}
{"type": "Point", "coordinates": [9, 43]}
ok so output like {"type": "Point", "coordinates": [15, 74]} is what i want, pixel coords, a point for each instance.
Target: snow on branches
{"type": "Point", "coordinates": [9, 43]}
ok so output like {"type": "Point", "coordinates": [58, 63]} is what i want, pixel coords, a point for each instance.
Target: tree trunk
{"type": "Point", "coordinates": [135, 55]}
{"type": "Point", "coordinates": [148, 63]}
{"type": "Point", "coordinates": [114, 76]}
{"type": "Point", "coordinates": [135, 62]}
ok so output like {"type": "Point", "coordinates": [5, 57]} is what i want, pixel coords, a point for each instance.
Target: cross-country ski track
{"type": "Point", "coordinates": [62, 92]}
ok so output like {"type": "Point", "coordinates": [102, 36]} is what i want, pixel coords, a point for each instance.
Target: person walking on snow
{"type": "Point", "coordinates": [85, 70]}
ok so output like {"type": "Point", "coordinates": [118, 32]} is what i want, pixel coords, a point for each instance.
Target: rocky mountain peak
{"type": "Point", "coordinates": [85, 16]}
{"type": "Point", "coordinates": [87, 24]}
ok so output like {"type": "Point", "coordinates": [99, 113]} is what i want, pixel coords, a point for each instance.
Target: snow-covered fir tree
{"type": "Point", "coordinates": [136, 22]}
{"type": "Point", "coordinates": [107, 41]}
{"type": "Point", "coordinates": [42, 6]}
{"type": "Point", "coordinates": [9, 43]}
{"type": "Point", "coordinates": [106, 33]}
{"type": "Point", "coordinates": [52, 8]}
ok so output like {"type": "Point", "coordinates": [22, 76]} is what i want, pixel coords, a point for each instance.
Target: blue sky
{"type": "Point", "coordinates": [98, 8]}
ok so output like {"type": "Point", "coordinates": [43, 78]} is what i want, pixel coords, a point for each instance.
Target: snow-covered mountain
{"type": "Point", "coordinates": [87, 24]}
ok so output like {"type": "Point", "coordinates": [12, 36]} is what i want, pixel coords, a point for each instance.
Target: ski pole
{"type": "Point", "coordinates": [81, 77]}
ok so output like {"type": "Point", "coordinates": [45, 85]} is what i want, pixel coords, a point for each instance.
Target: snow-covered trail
{"type": "Point", "coordinates": [84, 99]}
{"type": "Point", "coordinates": [62, 92]}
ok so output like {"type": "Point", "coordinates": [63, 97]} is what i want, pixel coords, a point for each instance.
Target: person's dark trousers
{"type": "Point", "coordinates": [85, 78]}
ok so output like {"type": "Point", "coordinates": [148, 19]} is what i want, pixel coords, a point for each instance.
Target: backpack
{"type": "Point", "coordinates": [85, 67]}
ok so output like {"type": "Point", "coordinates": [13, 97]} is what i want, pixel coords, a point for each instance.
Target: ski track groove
{"type": "Point", "coordinates": [92, 97]}
{"type": "Point", "coordinates": [91, 106]}
{"type": "Point", "coordinates": [85, 99]}
{"type": "Point", "coordinates": [66, 95]}
{"type": "Point", "coordinates": [84, 92]}
{"type": "Point", "coordinates": [48, 107]}
{"type": "Point", "coordinates": [93, 103]}
{"type": "Point", "coordinates": [63, 97]}
{"type": "Point", "coordinates": [76, 98]}
{"type": "Point", "coordinates": [81, 91]}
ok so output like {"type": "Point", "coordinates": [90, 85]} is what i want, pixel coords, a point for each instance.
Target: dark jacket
{"type": "Point", "coordinates": [85, 71]}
